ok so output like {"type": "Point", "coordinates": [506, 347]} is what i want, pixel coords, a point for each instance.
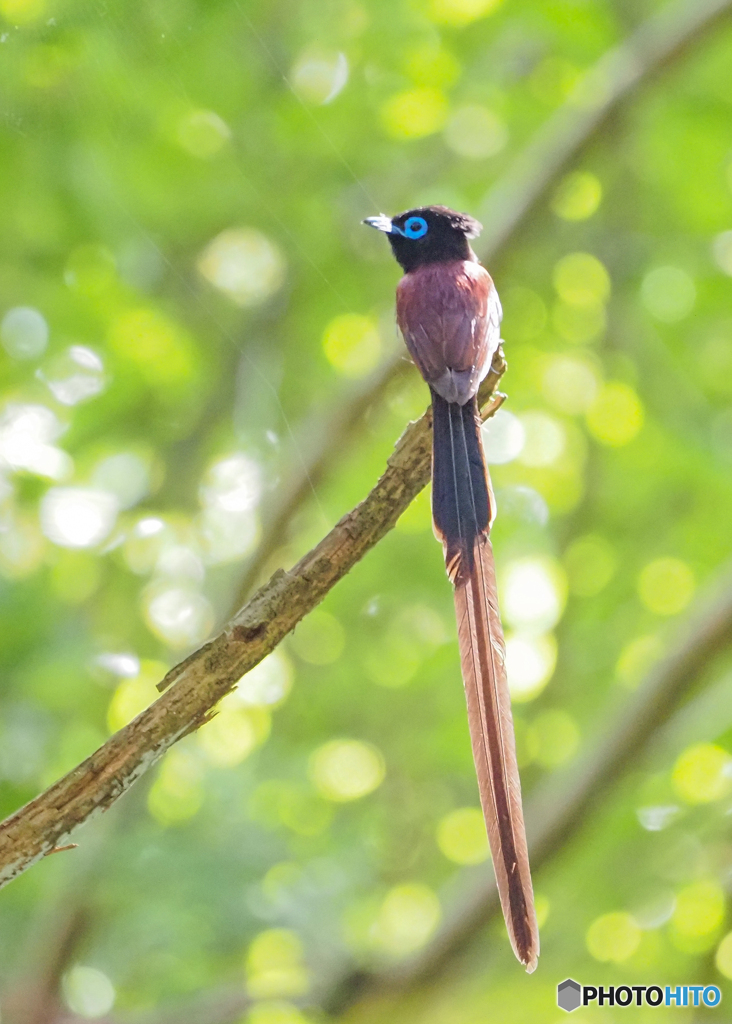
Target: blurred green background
{"type": "Point", "coordinates": [187, 299]}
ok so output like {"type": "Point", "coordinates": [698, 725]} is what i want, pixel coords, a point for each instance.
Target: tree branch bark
{"type": "Point", "coordinates": [341, 427]}
{"type": "Point", "coordinates": [202, 679]}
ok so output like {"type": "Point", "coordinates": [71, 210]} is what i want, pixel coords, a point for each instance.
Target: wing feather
{"type": "Point", "coordinates": [449, 315]}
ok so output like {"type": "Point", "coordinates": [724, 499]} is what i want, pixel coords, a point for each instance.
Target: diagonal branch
{"type": "Point", "coordinates": [618, 74]}
{"type": "Point", "coordinates": [202, 679]}
{"type": "Point", "coordinates": [304, 479]}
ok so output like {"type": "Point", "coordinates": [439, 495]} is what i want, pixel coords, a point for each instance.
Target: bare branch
{"type": "Point", "coordinates": [202, 679]}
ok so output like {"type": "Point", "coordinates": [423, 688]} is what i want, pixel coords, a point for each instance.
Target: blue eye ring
{"type": "Point", "coordinates": [415, 227]}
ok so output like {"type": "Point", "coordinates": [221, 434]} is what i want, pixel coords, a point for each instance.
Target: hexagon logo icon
{"type": "Point", "coordinates": [569, 995]}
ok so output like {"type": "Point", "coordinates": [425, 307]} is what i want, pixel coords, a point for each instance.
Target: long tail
{"type": "Point", "coordinates": [462, 505]}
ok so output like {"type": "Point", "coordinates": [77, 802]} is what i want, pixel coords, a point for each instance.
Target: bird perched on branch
{"type": "Point", "coordinates": [449, 314]}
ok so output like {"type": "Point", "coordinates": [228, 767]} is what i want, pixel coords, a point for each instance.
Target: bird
{"type": "Point", "coordinates": [449, 314]}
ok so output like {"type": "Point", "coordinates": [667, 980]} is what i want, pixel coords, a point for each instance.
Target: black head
{"type": "Point", "coordinates": [429, 234]}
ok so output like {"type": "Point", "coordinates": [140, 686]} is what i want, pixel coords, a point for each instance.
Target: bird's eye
{"type": "Point", "coordinates": [415, 227]}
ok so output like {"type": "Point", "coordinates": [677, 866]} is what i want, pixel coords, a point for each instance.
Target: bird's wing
{"type": "Point", "coordinates": [450, 315]}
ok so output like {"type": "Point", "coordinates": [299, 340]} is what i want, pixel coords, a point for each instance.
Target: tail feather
{"type": "Point", "coordinates": [461, 498]}
{"type": "Point", "coordinates": [462, 513]}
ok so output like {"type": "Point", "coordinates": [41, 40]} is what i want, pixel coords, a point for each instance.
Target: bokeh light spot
{"type": "Point", "coordinates": [475, 132]}
{"type": "Point", "coordinates": [636, 658]}
{"type": "Point", "coordinates": [523, 505]}
{"type": "Point", "coordinates": [723, 957]}
{"type": "Point", "coordinates": [352, 345]}
{"type": "Point", "coordinates": [613, 937]}
{"type": "Point", "coordinates": [461, 836]}
{"type": "Point", "coordinates": [668, 293]}
{"type": "Point", "coordinates": [530, 663]}
{"type": "Point", "coordinates": [553, 738]}
{"type": "Point", "coordinates": [722, 251]}
{"type": "Point", "coordinates": [616, 415]}
{"type": "Point", "coordinates": [243, 264]}
{"type": "Point", "coordinates": [126, 475]}
{"type": "Point", "coordinates": [26, 436]}
{"type": "Point", "coordinates": [88, 992]}
{"type": "Point", "coordinates": [699, 912]}
{"type": "Point", "coordinates": [666, 586]}
{"type": "Point", "coordinates": [579, 324]}
{"type": "Point", "coordinates": [581, 279]}
{"type": "Point", "coordinates": [702, 774]}
{"type": "Point", "coordinates": [458, 13]}
{"type": "Point", "coordinates": [22, 547]}
{"type": "Point", "coordinates": [544, 439]}
{"type": "Point", "coordinates": [203, 133]}
{"type": "Point", "coordinates": [319, 639]}
{"type": "Point", "coordinates": [176, 795]}
{"type": "Point", "coordinates": [274, 965]}
{"type": "Point", "coordinates": [344, 770]}
{"type": "Point", "coordinates": [77, 517]}
{"type": "Point", "coordinates": [123, 664]}
{"type": "Point", "coordinates": [395, 662]}
{"type": "Point", "coordinates": [24, 332]}
{"type": "Point", "coordinates": [408, 917]}
{"type": "Point", "coordinates": [415, 113]}
{"type": "Point", "coordinates": [227, 536]}
{"type": "Point", "coordinates": [145, 543]}
{"type": "Point", "coordinates": [74, 376]}
{"type": "Point", "coordinates": [232, 734]}
{"type": "Point", "coordinates": [275, 1011]}
{"type": "Point", "coordinates": [318, 76]}
{"type": "Point", "coordinates": [303, 811]}
{"type": "Point", "coordinates": [534, 592]}
{"type": "Point", "coordinates": [577, 196]}
{"type": "Point", "coordinates": [432, 65]}
{"type": "Point", "coordinates": [591, 563]}
{"type": "Point", "coordinates": [657, 817]}
{"type": "Point", "coordinates": [179, 615]}
{"type": "Point", "coordinates": [233, 484]}
{"type": "Point", "coordinates": [569, 385]}
{"type": "Point", "coordinates": [503, 437]}
{"type": "Point", "coordinates": [267, 684]}
{"type": "Point", "coordinates": [155, 344]}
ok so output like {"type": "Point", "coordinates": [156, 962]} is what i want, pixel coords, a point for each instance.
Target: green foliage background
{"type": "Point", "coordinates": [133, 136]}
